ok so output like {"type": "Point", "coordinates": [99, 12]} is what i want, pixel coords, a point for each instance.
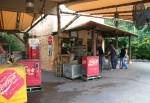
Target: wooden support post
{"type": "Point", "coordinates": [2, 20]}
{"type": "Point", "coordinates": [25, 38]}
{"type": "Point", "coordinates": [58, 59]}
{"type": "Point", "coordinates": [129, 49]}
{"type": "Point", "coordinates": [94, 42]}
{"type": "Point", "coordinates": [117, 41]}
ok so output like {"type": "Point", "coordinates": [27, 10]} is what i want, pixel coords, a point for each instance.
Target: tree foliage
{"type": "Point", "coordinates": [140, 45]}
{"type": "Point", "coordinates": [12, 42]}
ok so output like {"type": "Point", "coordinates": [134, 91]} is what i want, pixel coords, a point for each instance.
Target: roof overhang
{"type": "Point", "coordinates": [107, 8]}
{"type": "Point", "coordinates": [14, 16]}
{"type": "Point", "coordinates": [105, 30]}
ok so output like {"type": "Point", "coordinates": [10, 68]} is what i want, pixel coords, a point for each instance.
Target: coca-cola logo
{"type": "Point", "coordinates": [30, 71]}
{"type": "Point", "coordinates": [92, 62]}
{"type": "Point", "coordinates": [10, 83]}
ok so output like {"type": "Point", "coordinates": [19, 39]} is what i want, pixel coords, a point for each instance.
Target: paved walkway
{"type": "Point", "coordinates": [119, 86]}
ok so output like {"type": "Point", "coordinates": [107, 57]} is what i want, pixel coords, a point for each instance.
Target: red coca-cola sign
{"type": "Point", "coordinates": [10, 83]}
{"type": "Point", "coordinates": [93, 62]}
{"type": "Point", "coordinates": [50, 39]}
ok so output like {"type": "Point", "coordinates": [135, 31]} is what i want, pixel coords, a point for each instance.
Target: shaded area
{"type": "Point", "coordinates": [119, 86]}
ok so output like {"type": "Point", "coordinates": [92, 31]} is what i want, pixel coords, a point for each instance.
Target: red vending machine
{"type": "Point", "coordinates": [33, 48]}
{"type": "Point", "coordinates": [90, 67]}
{"type": "Point", "coordinates": [33, 72]}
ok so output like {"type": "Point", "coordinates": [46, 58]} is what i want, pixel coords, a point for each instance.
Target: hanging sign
{"type": "Point", "coordinates": [50, 39]}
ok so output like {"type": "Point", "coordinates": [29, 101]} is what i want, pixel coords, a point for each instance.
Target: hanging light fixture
{"type": "Point", "coordinates": [30, 5]}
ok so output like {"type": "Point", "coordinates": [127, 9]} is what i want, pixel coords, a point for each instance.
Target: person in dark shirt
{"type": "Point", "coordinates": [113, 55]}
{"type": "Point", "coordinates": [122, 57]}
{"type": "Point", "coordinates": [101, 57]}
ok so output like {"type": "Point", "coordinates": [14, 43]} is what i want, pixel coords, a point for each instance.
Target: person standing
{"type": "Point", "coordinates": [101, 57]}
{"type": "Point", "coordinates": [114, 56]}
{"type": "Point", "coordinates": [11, 58]}
{"type": "Point", "coordinates": [124, 60]}
{"type": "Point", "coordinates": [2, 55]}
{"type": "Point", "coordinates": [122, 55]}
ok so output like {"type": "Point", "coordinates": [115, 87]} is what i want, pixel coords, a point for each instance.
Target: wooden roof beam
{"type": "Point", "coordinates": [2, 19]}
{"type": "Point", "coordinates": [81, 14]}
{"type": "Point", "coordinates": [34, 16]}
{"type": "Point", "coordinates": [18, 20]}
{"type": "Point", "coordinates": [111, 12]}
{"type": "Point", "coordinates": [75, 1]}
{"type": "Point", "coordinates": [11, 31]}
{"type": "Point", "coordinates": [114, 6]}
{"type": "Point", "coordinates": [67, 25]}
{"type": "Point", "coordinates": [43, 17]}
{"type": "Point", "coordinates": [119, 15]}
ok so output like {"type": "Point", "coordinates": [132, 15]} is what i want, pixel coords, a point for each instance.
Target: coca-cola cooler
{"type": "Point", "coordinates": [33, 72]}
{"type": "Point", "coordinates": [33, 48]}
{"type": "Point", "coordinates": [90, 66]}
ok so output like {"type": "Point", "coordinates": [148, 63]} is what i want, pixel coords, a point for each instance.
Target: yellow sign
{"type": "Point", "coordinates": [12, 84]}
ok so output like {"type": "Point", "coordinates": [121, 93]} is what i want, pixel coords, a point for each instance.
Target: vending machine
{"type": "Point", "coordinates": [33, 48]}
{"type": "Point", "coordinates": [33, 72]}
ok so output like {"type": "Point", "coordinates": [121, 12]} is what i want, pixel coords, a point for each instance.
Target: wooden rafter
{"type": "Point", "coordinates": [43, 5]}
{"type": "Point", "coordinates": [43, 17]}
{"type": "Point", "coordinates": [34, 16]}
{"type": "Point", "coordinates": [67, 25]}
{"type": "Point", "coordinates": [111, 12]}
{"type": "Point", "coordinates": [2, 20]}
{"type": "Point", "coordinates": [119, 15]}
{"type": "Point", "coordinates": [11, 31]}
{"type": "Point", "coordinates": [75, 1]}
{"type": "Point", "coordinates": [114, 6]}
{"type": "Point", "coordinates": [81, 15]}
{"type": "Point", "coordinates": [18, 20]}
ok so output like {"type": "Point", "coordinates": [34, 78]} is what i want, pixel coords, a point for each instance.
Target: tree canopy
{"type": "Point", "coordinates": [12, 42]}
{"type": "Point", "coordinates": [140, 45]}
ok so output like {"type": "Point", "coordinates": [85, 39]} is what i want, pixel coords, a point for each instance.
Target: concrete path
{"type": "Point", "coordinates": [119, 86]}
